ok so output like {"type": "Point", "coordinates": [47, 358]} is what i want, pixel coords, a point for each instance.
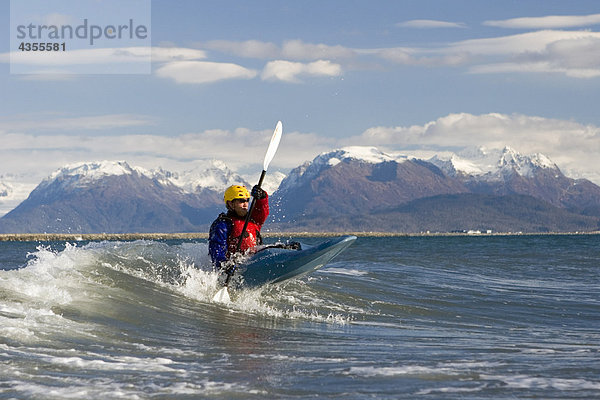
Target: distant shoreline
{"type": "Point", "coordinates": [75, 237]}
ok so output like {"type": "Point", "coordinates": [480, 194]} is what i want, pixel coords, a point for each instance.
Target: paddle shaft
{"type": "Point", "coordinates": [273, 145]}
{"type": "Point", "coordinates": [249, 214]}
{"type": "Point", "coordinates": [244, 228]}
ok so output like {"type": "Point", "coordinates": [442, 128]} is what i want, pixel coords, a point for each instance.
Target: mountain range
{"type": "Point", "coordinates": [349, 189]}
{"type": "Point", "coordinates": [364, 189]}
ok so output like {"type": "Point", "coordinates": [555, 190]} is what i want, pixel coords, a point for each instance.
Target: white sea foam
{"type": "Point", "coordinates": [110, 363]}
{"type": "Point", "coordinates": [107, 389]}
{"type": "Point", "coordinates": [535, 382]}
{"type": "Point", "coordinates": [100, 314]}
{"type": "Point", "coordinates": [344, 271]}
{"type": "Point", "coordinates": [452, 389]}
{"type": "Point", "coordinates": [372, 371]}
{"type": "Point", "coordinates": [447, 369]}
{"type": "Point", "coordinates": [33, 294]}
{"type": "Point", "coordinates": [269, 303]}
{"type": "Point", "coordinates": [199, 284]}
{"type": "Point", "coordinates": [187, 270]}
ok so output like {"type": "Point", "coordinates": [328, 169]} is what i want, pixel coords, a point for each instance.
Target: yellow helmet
{"type": "Point", "coordinates": [236, 192]}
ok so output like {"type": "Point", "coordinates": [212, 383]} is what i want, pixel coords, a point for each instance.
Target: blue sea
{"type": "Point", "coordinates": [459, 317]}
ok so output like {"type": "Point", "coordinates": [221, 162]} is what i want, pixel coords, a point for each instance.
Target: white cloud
{"type": "Point", "coordinates": [80, 56]}
{"type": "Point", "coordinates": [299, 50]}
{"type": "Point", "coordinates": [420, 57]}
{"type": "Point", "coordinates": [248, 48]}
{"type": "Point", "coordinates": [49, 122]}
{"type": "Point", "coordinates": [579, 58]}
{"type": "Point", "coordinates": [57, 19]}
{"type": "Point", "coordinates": [34, 156]}
{"type": "Point", "coordinates": [164, 54]}
{"type": "Point", "coordinates": [429, 24]}
{"type": "Point", "coordinates": [575, 54]}
{"type": "Point", "coordinates": [288, 71]}
{"type": "Point", "coordinates": [104, 55]}
{"type": "Point", "coordinates": [197, 72]}
{"type": "Point", "coordinates": [296, 50]}
{"type": "Point", "coordinates": [561, 51]}
{"type": "Point", "coordinates": [183, 65]}
{"type": "Point", "coordinates": [573, 146]}
{"type": "Point", "coordinates": [572, 53]}
{"type": "Point", "coordinates": [37, 65]}
{"type": "Point", "coordinates": [518, 44]}
{"type": "Point", "coordinates": [282, 70]}
{"type": "Point", "coordinates": [547, 22]}
{"type": "Point", "coordinates": [535, 67]}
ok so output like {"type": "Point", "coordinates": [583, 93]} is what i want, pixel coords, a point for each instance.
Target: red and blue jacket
{"type": "Point", "coordinates": [226, 230]}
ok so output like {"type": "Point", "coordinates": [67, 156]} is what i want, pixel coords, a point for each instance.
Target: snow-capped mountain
{"type": "Point", "coordinates": [215, 176]}
{"type": "Point", "coordinates": [493, 165]}
{"type": "Point", "coordinates": [311, 169]}
{"type": "Point", "coordinates": [353, 188]}
{"type": "Point", "coordinates": [365, 188]}
{"type": "Point", "coordinates": [523, 165]}
{"type": "Point", "coordinates": [12, 192]}
{"type": "Point", "coordinates": [110, 196]}
{"type": "Point", "coordinates": [358, 180]}
{"type": "Point", "coordinates": [506, 171]}
{"type": "Point", "coordinates": [5, 189]}
{"type": "Point", "coordinates": [85, 174]}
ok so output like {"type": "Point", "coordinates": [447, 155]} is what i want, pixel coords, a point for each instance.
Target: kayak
{"type": "Point", "coordinates": [272, 265]}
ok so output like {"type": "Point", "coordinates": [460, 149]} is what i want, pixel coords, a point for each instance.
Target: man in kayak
{"type": "Point", "coordinates": [226, 230]}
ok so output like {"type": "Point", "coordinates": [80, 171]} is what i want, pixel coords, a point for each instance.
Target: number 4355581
{"type": "Point", "coordinates": [27, 46]}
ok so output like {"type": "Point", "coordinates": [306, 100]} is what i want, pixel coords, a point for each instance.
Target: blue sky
{"type": "Point", "coordinates": [419, 77]}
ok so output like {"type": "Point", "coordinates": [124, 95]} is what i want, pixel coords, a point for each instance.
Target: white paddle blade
{"type": "Point", "coordinates": [222, 296]}
{"type": "Point", "coordinates": [275, 139]}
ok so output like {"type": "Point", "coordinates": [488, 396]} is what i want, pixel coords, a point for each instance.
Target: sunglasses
{"type": "Point", "coordinates": [242, 200]}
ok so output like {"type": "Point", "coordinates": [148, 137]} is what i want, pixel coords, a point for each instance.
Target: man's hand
{"type": "Point", "coordinates": [258, 193]}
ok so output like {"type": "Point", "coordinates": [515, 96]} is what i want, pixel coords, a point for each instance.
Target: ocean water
{"type": "Point", "coordinates": [390, 318]}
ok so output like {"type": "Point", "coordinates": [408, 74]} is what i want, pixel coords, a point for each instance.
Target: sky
{"type": "Point", "coordinates": [210, 79]}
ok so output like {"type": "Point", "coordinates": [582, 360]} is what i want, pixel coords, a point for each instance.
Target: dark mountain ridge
{"type": "Point", "coordinates": [117, 203]}
{"type": "Point", "coordinates": [527, 194]}
{"type": "Point", "coordinates": [355, 186]}
{"type": "Point", "coordinates": [353, 189]}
